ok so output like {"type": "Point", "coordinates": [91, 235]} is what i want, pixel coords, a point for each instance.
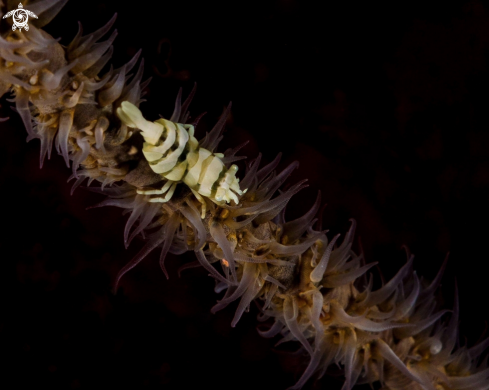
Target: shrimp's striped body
{"type": "Point", "coordinates": [173, 152]}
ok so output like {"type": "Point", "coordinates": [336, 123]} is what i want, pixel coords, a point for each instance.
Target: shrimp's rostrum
{"type": "Point", "coordinates": [173, 152]}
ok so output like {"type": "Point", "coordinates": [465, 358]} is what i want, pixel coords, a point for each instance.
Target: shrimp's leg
{"type": "Point", "coordinates": [168, 195]}
{"type": "Point", "coordinates": [157, 192]}
{"type": "Point", "coordinates": [201, 200]}
{"type": "Point", "coordinates": [171, 191]}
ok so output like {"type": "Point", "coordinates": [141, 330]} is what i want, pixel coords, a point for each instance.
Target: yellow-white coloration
{"type": "Point", "coordinates": [173, 152]}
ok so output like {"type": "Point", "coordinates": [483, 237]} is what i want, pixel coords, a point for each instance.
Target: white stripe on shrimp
{"type": "Point", "coordinates": [173, 152]}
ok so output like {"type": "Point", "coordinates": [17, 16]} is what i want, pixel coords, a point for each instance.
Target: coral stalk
{"type": "Point", "coordinates": [313, 287]}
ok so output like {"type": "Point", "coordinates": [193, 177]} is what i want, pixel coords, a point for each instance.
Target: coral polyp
{"type": "Point", "coordinates": [310, 286]}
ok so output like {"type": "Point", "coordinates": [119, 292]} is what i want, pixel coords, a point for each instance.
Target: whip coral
{"type": "Point", "coordinates": [310, 286]}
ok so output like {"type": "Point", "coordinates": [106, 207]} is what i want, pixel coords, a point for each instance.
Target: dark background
{"type": "Point", "coordinates": [385, 107]}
